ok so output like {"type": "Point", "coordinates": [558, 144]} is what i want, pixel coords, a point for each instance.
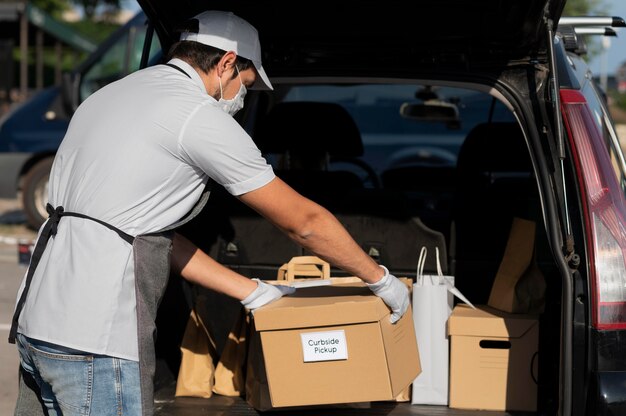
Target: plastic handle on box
{"type": "Point", "coordinates": [305, 266]}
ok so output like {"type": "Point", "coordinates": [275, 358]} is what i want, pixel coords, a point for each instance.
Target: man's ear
{"type": "Point", "coordinates": [226, 62]}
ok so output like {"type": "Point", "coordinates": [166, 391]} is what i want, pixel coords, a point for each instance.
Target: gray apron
{"type": "Point", "coordinates": [151, 253]}
{"type": "Point", "coordinates": [151, 256]}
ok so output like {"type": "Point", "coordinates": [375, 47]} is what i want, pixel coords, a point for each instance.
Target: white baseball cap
{"type": "Point", "coordinates": [226, 31]}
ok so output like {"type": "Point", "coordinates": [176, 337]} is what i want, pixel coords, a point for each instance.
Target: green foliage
{"type": "Point", "coordinates": [584, 8]}
{"type": "Point", "coordinates": [90, 6]}
{"type": "Point", "coordinates": [98, 31]}
{"type": "Point", "coordinates": [69, 60]}
{"type": "Point", "coordinates": [54, 8]}
{"type": "Point", "coordinates": [88, 27]}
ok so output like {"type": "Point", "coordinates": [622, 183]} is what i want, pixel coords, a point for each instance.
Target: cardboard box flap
{"type": "Point", "coordinates": [322, 306]}
{"type": "Point", "coordinates": [485, 321]}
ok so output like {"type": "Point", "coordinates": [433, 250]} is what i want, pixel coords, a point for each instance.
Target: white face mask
{"type": "Point", "coordinates": [236, 103]}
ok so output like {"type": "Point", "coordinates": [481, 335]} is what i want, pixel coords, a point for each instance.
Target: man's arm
{"type": "Point", "coordinates": [197, 267]}
{"type": "Point", "coordinates": [307, 223]}
{"type": "Point", "coordinates": [313, 227]}
{"type": "Point", "coordinates": [316, 229]}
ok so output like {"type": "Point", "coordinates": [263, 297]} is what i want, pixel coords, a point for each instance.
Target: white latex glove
{"type": "Point", "coordinates": [264, 294]}
{"type": "Point", "coordinates": [393, 292]}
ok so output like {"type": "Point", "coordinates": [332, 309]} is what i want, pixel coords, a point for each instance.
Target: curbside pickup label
{"type": "Point", "coordinates": [324, 346]}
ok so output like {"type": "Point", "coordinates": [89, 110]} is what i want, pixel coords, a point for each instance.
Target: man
{"type": "Point", "coordinates": [136, 158]}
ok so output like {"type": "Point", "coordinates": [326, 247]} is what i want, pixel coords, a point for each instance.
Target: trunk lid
{"type": "Point", "coordinates": [377, 39]}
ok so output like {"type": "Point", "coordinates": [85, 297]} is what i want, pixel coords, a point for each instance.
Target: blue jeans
{"type": "Point", "coordinates": [74, 383]}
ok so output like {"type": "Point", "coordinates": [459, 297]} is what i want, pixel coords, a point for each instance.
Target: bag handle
{"type": "Point", "coordinates": [304, 266]}
{"type": "Point", "coordinates": [422, 261]}
{"type": "Point", "coordinates": [420, 265]}
{"type": "Point", "coordinates": [442, 281]}
{"type": "Point", "coordinates": [439, 273]}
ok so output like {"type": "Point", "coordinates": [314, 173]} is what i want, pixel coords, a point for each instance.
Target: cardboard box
{"type": "Point", "coordinates": [329, 345]}
{"type": "Point", "coordinates": [493, 359]}
{"type": "Point", "coordinates": [519, 285]}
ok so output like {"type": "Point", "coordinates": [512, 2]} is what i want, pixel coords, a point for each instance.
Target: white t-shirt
{"type": "Point", "coordinates": [137, 155]}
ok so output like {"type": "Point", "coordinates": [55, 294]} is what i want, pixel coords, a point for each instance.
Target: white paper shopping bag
{"type": "Point", "coordinates": [432, 305]}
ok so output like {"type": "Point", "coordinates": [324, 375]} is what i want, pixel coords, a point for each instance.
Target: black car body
{"type": "Point", "coordinates": [509, 143]}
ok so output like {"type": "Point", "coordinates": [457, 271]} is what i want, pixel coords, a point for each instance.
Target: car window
{"type": "Point", "coordinates": [123, 57]}
{"type": "Point", "coordinates": [137, 49]}
{"type": "Point", "coordinates": [391, 139]}
{"type": "Point", "coordinates": [108, 68]}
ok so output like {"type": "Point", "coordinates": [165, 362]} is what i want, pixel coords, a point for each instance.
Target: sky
{"type": "Point", "coordinates": [130, 5]}
{"type": "Point", "coordinates": [614, 56]}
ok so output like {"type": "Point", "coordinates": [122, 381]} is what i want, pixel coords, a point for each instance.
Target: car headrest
{"type": "Point", "coordinates": [310, 128]}
{"type": "Point", "coordinates": [494, 147]}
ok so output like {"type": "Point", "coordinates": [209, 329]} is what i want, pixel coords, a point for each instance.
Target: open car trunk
{"type": "Point", "coordinates": [436, 144]}
{"type": "Point", "coordinates": [397, 182]}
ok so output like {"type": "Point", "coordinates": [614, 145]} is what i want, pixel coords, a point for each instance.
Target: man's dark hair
{"type": "Point", "coordinates": [202, 56]}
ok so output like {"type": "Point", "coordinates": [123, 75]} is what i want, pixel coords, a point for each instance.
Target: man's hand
{"type": "Point", "coordinates": [393, 292]}
{"type": "Point", "coordinates": [264, 294]}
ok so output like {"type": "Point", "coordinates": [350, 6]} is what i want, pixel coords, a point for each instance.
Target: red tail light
{"type": "Point", "coordinates": [605, 213]}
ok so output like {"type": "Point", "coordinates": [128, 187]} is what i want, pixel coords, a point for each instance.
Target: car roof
{"type": "Point", "coordinates": [373, 38]}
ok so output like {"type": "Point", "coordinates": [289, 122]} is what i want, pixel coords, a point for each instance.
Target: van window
{"type": "Point", "coordinates": [120, 59]}
{"type": "Point", "coordinates": [108, 68]}
{"type": "Point", "coordinates": [137, 49]}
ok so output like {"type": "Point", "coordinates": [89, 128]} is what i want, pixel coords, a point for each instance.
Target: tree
{"type": "Point", "coordinates": [587, 8]}
{"type": "Point", "coordinates": [54, 8]}
{"type": "Point", "coordinates": [584, 7]}
{"type": "Point", "coordinates": [90, 6]}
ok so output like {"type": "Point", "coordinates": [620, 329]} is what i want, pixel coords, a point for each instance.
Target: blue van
{"type": "Point", "coordinates": [31, 132]}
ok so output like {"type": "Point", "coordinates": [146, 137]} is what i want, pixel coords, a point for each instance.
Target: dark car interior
{"type": "Point", "coordinates": [465, 210]}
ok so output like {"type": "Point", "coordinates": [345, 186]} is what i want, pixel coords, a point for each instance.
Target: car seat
{"type": "Point", "coordinates": [494, 183]}
{"type": "Point", "coordinates": [303, 137]}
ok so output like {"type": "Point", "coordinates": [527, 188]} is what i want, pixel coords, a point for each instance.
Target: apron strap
{"type": "Point", "coordinates": [124, 236]}
{"type": "Point", "coordinates": [49, 230]}
{"type": "Point", "coordinates": [176, 67]}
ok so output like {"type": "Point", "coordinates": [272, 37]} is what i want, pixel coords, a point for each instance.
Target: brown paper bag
{"type": "Point", "coordinates": [195, 376]}
{"type": "Point", "coordinates": [519, 286]}
{"type": "Point", "coordinates": [230, 370]}
{"type": "Point", "coordinates": [404, 395]}
{"type": "Point", "coordinates": [257, 388]}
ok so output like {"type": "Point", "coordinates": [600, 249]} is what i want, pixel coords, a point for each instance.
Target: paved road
{"type": "Point", "coordinates": [12, 230]}
{"type": "Point", "coordinates": [10, 277]}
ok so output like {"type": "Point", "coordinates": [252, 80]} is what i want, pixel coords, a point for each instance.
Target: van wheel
{"type": "Point", "coordinates": [35, 193]}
